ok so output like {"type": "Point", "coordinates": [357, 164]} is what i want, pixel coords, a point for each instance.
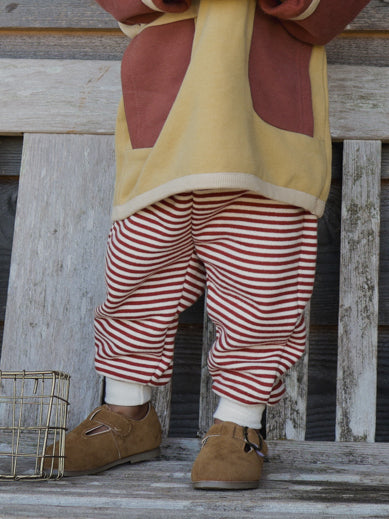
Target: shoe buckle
{"type": "Point", "coordinates": [250, 446]}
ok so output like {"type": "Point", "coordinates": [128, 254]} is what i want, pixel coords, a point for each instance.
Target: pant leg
{"type": "Point", "coordinates": [260, 259]}
{"type": "Point", "coordinates": [152, 274]}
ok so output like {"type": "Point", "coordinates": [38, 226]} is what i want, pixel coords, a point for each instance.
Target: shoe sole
{"type": "Point", "coordinates": [135, 458]}
{"type": "Point", "coordinates": [225, 485]}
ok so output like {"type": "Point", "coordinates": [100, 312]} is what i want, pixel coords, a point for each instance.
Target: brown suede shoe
{"type": "Point", "coordinates": [231, 458]}
{"type": "Point", "coordinates": [121, 441]}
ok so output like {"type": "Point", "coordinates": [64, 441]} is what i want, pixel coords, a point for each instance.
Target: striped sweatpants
{"type": "Point", "coordinates": [257, 259]}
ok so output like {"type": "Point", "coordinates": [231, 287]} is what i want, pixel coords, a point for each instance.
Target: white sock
{"type": "Point", "coordinates": [241, 414]}
{"type": "Point", "coordinates": [121, 392]}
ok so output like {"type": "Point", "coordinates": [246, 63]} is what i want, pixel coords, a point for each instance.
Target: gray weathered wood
{"type": "Point", "coordinates": [72, 14]}
{"type": "Point", "coordinates": [359, 102]}
{"type": "Point", "coordinates": [355, 49]}
{"type": "Point", "coordinates": [85, 95]}
{"type": "Point", "coordinates": [57, 273]}
{"type": "Point", "coordinates": [374, 17]}
{"type": "Point", "coordinates": [59, 96]}
{"type": "Point", "coordinates": [302, 480]}
{"type": "Point", "coordinates": [358, 306]}
{"type": "Point", "coordinates": [288, 419]}
{"type": "Point", "coordinates": [161, 401]}
{"type": "Point", "coordinates": [87, 14]}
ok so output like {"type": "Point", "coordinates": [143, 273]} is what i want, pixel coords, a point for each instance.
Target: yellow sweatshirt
{"type": "Point", "coordinates": [223, 128]}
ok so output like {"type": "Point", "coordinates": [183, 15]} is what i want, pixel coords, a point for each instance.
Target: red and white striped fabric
{"type": "Point", "coordinates": [257, 258]}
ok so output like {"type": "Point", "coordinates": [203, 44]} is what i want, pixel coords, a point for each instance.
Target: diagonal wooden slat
{"type": "Point", "coordinates": [358, 305]}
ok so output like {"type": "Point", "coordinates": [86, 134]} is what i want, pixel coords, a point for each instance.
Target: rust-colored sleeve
{"type": "Point", "coordinates": [141, 11]}
{"type": "Point", "coordinates": [313, 21]}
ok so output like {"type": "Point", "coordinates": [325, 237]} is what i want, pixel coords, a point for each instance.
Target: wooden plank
{"type": "Point", "coordinates": [288, 419]}
{"type": "Point", "coordinates": [303, 453]}
{"type": "Point", "coordinates": [57, 14]}
{"type": "Point", "coordinates": [359, 104]}
{"type": "Point", "coordinates": [87, 14]}
{"type": "Point", "coordinates": [69, 44]}
{"type": "Point", "coordinates": [56, 278]}
{"type": "Point", "coordinates": [350, 49]}
{"type": "Point", "coordinates": [85, 95]}
{"type": "Point", "coordinates": [324, 317]}
{"type": "Point", "coordinates": [161, 401]}
{"type": "Point", "coordinates": [358, 307]}
{"type": "Point", "coordinates": [302, 480]}
{"type": "Point", "coordinates": [375, 16]}
{"type": "Point", "coordinates": [370, 49]}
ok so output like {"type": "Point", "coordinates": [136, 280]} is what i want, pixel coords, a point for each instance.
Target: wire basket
{"type": "Point", "coordinates": [33, 414]}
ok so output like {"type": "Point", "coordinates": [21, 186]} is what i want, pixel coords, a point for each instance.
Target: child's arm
{"type": "Point", "coordinates": [314, 21]}
{"type": "Point", "coordinates": [132, 12]}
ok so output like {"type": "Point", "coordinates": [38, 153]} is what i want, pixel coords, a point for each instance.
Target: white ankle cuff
{"type": "Point", "coordinates": [241, 414]}
{"type": "Point", "coordinates": [120, 392]}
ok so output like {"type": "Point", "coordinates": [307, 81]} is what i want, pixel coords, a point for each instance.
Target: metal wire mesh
{"type": "Point", "coordinates": [33, 414]}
